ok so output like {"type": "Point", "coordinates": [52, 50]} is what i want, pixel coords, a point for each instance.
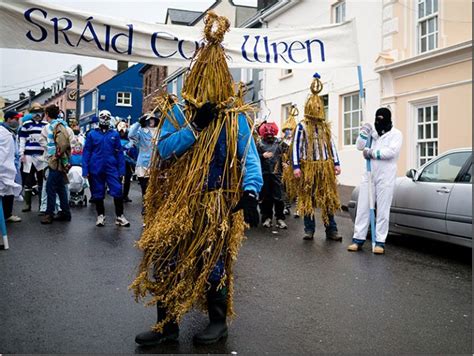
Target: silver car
{"type": "Point", "coordinates": [434, 201]}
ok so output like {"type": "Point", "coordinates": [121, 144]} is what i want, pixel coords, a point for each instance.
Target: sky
{"type": "Point", "coordinates": [21, 70]}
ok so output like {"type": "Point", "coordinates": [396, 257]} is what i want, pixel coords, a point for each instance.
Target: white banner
{"type": "Point", "coordinates": [40, 26]}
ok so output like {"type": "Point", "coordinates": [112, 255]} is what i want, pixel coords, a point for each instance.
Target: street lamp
{"type": "Point", "coordinates": [78, 71]}
{"type": "Point", "coordinates": [129, 118]}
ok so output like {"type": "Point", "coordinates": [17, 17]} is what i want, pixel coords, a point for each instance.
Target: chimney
{"type": "Point", "coordinates": [121, 66]}
{"type": "Point", "coordinates": [22, 96]}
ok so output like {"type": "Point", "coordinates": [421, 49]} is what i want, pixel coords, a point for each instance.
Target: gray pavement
{"type": "Point", "coordinates": [63, 289]}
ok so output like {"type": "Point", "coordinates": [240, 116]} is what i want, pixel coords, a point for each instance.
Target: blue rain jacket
{"type": "Point", "coordinates": [174, 142]}
{"type": "Point", "coordinates": [103, 153]}
{"type": "Point", "coordinates": [141, 138]}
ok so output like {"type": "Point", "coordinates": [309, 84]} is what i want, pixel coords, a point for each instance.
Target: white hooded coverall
{"type": "Point", "coordinates": [386, 150]}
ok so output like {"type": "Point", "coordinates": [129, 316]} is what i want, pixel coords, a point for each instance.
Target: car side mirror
{"type": "Point", "coordinates": [411, 173]}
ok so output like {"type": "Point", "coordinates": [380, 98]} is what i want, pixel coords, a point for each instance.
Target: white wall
{"type": "Point", "coordinates": [295, 88]}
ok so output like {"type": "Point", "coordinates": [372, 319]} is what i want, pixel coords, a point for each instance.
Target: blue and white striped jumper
{"type": "Point", "coordinates": [30, 147]}
{"type": "Point", "coordinates": [300, 143]}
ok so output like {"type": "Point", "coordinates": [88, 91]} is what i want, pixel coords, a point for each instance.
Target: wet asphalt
{"type": "Point", "coordinates": [63, 289]}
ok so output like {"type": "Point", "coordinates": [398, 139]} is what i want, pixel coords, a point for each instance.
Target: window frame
{"type": "Point", "coordinates": [94, 101]}
{"type": "Point", "coordinates": [350, 112]}
{"type": "Point", "coordinates": [419, 143]}
{"type": "Point", "coordinates": [119, 98]}
{"type": "Point", "coordinates": [425, 20]}
{"type": "Point", "coordinates": [246, 75]}
{"type": "Point", "coordinates": [339, 6]}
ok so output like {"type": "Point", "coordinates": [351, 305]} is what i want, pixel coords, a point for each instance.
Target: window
{"type": "Point", "coordinates": [175, 87]}
{"type": "Point", "coordinates": [286, 72]}
{"type": "Point", "coordinates": [246, 75]}
{"type": "Point", "coordinates": [82, 106]}
{"type": "Point", "coordinates": [94, 100]}
{"type": "Point", "coordinates": [427, 25]}
{"type": "Point", "coordinates": [427, 133]}
{"type": "Point", "coordinates": [124, 98]}
{"type": "Point", "coordinates": [339, 12]}
{"type": "Point", "coordinates": [325, 99]}
{"type": "Point", "coordinates": [157, 72]}
{"type": "Point", "coordinates": [467, 177]}
{"type": "Point", "coordinates": [145, 85]}
{"type": "Point", "coordinates": [444, 169]}
{"type": "Point", "coordinates": [352, 114]}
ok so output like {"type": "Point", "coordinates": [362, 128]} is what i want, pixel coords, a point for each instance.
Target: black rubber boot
{"type": "Point", "coordinates": [27, 199]}
{"type": "Point", "coordinates": [217, 308]}
{"type": "Point", "coordinates": [150, 337]}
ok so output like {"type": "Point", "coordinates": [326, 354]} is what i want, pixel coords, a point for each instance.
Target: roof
{"type": "Point", "coordinates": [116, 76]}
{"type": "Point", "coordinates": [145, 68]}
{"type": "Point", "coordinates": [182, 17]}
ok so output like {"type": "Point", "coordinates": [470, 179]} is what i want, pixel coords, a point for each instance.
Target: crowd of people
{"type": "Point", "coordinates": [46, 157]}
{"type": "Point", "coordinates": [53, 160]}
{"type": "Point", "coordinates": [56, 162]}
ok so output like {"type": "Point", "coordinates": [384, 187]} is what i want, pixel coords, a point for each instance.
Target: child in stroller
{"type": "Point", "coordinates": [77, 183]}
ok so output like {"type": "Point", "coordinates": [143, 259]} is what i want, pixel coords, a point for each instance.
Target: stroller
{"type": "Point", "coordinates": [77, 186]}
{"type": "Point", "coordinates": [77, 183]}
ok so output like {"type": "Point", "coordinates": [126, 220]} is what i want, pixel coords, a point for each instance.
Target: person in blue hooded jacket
{"type": "Point", "coordinates": [103, 162]}
{"type": "Point", "coordinates": [175, 141]}
{"type": "Point", "coordinates": [141, 135]}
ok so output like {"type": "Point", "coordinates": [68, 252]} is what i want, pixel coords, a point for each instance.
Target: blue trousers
{"type": "Point", "coordinates": [56, 184]}
{"type": "Point", "coordinates": [97, 184]}
{"type": "Point", "coordinates": [310, 224]}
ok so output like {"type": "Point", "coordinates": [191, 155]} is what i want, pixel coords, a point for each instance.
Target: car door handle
{"type": "Point", "coordinates": [443, 190]}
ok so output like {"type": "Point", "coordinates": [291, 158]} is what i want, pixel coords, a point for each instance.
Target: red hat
{"type": "Point", "coordinates": [268, 129]}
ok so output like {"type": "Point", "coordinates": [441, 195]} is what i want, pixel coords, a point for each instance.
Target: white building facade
{"type": "Point", "coordinates": [281, 88]}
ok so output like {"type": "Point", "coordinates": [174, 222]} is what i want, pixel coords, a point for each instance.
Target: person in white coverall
{"type": "Point", "coordinates": [383, 153]}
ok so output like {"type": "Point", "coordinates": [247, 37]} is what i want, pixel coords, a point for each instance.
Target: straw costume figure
{"type": "Point", "coordinates": [315, 166]}
{"type": "Point", "coordinates": [206, 157]}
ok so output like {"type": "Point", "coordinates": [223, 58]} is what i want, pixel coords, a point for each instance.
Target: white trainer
{"type": "Point", "coordinates": [122, 221]}
{"type": "Point", "coordinates": [281, 224]}
{"type": "Point", "coordinates": [100, 220]}
{"type": "Point", "coordinates": [13, 218]}
{"type": "Point", "coordinates": [267, 222]}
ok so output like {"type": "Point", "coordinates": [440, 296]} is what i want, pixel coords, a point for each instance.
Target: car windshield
{"type": "Point", "coordinates": [444, 169]}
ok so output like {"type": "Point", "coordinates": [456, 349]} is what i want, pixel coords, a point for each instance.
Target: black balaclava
{"type": "Point", "coordinates": [383, 121]}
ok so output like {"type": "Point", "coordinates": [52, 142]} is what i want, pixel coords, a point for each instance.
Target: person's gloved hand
{"type": "Point", "coordinates": [248, 203]}
{"type": "Point", "coordinates": [368, 153]}
{"type": "Point", "coordinates": [204, 116]}
{"type": "Point", "coordinates": [366, 129]}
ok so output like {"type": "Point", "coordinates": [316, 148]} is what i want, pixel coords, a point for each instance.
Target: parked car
{"type": "Point", "coordinates": [434, 201]}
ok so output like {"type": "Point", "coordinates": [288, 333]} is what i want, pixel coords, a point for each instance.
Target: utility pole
{"type": "Point", "coordinates": [78, 92]}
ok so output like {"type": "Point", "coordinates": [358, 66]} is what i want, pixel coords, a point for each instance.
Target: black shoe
{"type": "Point", "coordinates": [62, 217]}
{"type": "Point", "coordinates": [127, 200]}
{"type": "Point", "coordinates": [150, 338]}
{"type": "Point", "coordinates": [170, 331]}
{"type": "Point", "coordinates": [333, 235]}
{"type": "Point", "coordinates": [46, 219]}
{"type": "Point", "coordinates": [308, 236]}
{"type": "Point", "coordinates": [217, 308]}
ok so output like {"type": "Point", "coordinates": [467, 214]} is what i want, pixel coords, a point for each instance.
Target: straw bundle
{"type": "Point", "coordinates": [189, 228]}
{"type": "Point", "coordinates": [288, 179]}
{"type": "Point", "coordinates": [317, 188]}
